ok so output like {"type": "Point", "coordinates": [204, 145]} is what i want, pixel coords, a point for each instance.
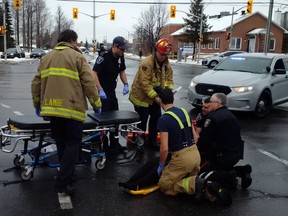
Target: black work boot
{"type": "Point", "coordinates": [244, 172]}
{"type": "Point", "coordinates": [231, 180]}
{"type": "Point", "coordinates": [128, 186]}
{"type": "Point", "coordinates": [200, 188]}
{"type": "Point", "coordinates": [222, 195]}
{"type": "Point", "coordinates": [226, 178]}
{"type": "Point", "coordinates": [69, 189]}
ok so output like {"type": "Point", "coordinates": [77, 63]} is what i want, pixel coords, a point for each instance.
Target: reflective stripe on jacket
{"type": "Point", "coordinates": [150, 75]}
{"type": "Point", "coordinates": [62, 83]}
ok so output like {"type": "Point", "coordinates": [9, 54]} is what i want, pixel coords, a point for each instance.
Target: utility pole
{"type": "Point", "coordinates": [267, 36]}
{"type": "Point", "coordinates": [231, 29]}
{"type": "Point", "coordinates": [94, 29]}
{"type": "Point", "coordinates": [200, 36]}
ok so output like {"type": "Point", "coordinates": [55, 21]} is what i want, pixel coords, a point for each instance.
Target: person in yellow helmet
{"type": "Point", "coordinates": [154, 71]}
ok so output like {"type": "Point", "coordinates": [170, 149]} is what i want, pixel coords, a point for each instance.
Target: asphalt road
{"type": "Point", "coordinates": [97, 193]}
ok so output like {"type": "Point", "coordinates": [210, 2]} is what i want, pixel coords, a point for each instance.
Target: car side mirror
{"type": "Point", "coordinates": [268, 69]}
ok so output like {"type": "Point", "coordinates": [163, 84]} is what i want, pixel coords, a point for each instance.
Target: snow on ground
{"type": "Point", "coordinates": [92, 60]}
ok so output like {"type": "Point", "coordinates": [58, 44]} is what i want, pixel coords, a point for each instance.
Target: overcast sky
{"type": "Point", "coordinates": [127, 14]}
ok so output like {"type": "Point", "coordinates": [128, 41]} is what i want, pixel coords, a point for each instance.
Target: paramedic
{"type": "Point", "coordinates": [108, 66]}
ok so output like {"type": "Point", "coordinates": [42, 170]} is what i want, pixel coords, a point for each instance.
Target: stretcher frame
{"type": "Point", "coordinates": [94, 127]}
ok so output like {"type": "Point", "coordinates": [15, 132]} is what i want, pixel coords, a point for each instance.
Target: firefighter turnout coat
{"type": "Point", "coordinates": [62, 83]}
{"type": "Point", "coordinates": [149, 76]}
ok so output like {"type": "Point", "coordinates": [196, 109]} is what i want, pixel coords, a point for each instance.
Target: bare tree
{"type": "Point", "coordinates": [150, 23]}
{"type": "Point", "coordinates": [42, 15]}
{"type": "Point", "coordinates": [35, 26]}
{"type": "Point", "coordinates": [61, 23]}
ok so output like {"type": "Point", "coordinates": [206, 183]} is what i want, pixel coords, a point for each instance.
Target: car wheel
{"type": "Point", "coordinates": [213, 64]}
{"type": "Point", "coordinates": [263, 105]}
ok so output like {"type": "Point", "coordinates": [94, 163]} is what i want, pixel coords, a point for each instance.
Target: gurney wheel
{"type": "Point", "coordinates": [26, 175]}
{"type": "Point", "coordinates": [19, 161]}
{"type": "Point", "coordinates": [100, 163]}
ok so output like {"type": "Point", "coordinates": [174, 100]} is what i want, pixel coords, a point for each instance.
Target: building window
{"type": "Point", "coordinates": [203, 46]}
{"type": "Point", "coordinates": [272, 44]}
{"type": "Point", "coordinates": [236, 43]}
{"type": "Point", "coordinates": [210, 45]}
{"type": "Point", "coordinates": [217, 43]}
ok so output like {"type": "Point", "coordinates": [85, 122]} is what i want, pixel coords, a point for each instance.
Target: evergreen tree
{"type": "Point", "coordinates": [86, 44]}
{"type": "Point", "coordinates": [10, 41]}
{"type": "Point", "coordinates": [193, 22]}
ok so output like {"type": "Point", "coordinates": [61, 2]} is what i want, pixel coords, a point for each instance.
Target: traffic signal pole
{"type": "Point", "coordinates": [4, 34]}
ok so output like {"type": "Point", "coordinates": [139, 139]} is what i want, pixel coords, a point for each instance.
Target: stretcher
{"type": "Point", "coordinates": [26, 130]}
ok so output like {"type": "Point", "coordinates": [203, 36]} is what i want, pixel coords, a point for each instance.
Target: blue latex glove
{"type": "Point", "coordinates": [37, 111]}
{"type": "Point", "coordinates": [97, 111]}
{"type": "Point", "coordinates": [102, 94]}
{"type": "Point", "coordinates": [159, 169]}
{"type": "Point", "coordinates": [125, 89]}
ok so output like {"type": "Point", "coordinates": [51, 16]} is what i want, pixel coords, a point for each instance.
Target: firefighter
{"type": "Point", "coordinates": [153, 72]}
{"type": "Point", "coordinates": [59, 90]}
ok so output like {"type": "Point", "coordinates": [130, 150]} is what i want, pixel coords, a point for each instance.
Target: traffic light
{"type": "Point", "coordinates": [75, 13]}
{"type": "Point", "coordinates": [17, 4]}
{"type": "Point", "coordinates": [201, 38]}
{"type": "Point", "coordinates": [1, 30]}
{"type": "Point", "coordinates": [112, 15]}
{"type": "Point", "coordinates": [228, 34]}
{"type": "Point", "coordinates": [249, 6]}
{"type": "Point", "coordinates": [172, 11]}
{"type": "Point", "coordinates": [4, 30]}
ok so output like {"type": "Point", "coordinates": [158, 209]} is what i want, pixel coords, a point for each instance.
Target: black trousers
{"type": "Point", "coordinates": [68, 136]}
{"type": "Point", "coordinates": [146, 175]}
{"type": "Point", "coordinates": [154, 111]}
{"type": "Point", "coordinates": [111, 104]}
{"type": "Point", "coordinates": [219, 162]}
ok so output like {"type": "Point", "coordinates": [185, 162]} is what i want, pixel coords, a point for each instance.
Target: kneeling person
{"type": "Point", "coordinates": [176, 136]}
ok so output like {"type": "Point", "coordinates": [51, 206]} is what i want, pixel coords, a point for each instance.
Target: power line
{"type": "Point", "coordinates": [168, 3]}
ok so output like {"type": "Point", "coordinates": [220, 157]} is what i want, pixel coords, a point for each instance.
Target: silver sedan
{"type": "Point", "coordinates": [252, 82]}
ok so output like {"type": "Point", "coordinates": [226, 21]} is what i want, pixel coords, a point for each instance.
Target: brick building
{"type": "Point", "coordinates": [248, 34]}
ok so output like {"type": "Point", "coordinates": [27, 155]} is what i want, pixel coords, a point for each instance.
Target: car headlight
{"type": "Point", "coordinates": [193, 84]}
{"type": "Point", "coordinates": [242, 89]}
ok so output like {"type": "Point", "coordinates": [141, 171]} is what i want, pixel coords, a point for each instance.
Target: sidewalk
{"type": "Point", "coordinates": [172, 61]}
{"type": "Point", "coordinates": [89, 57]}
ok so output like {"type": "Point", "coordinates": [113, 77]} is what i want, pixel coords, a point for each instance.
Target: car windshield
{"type": "Point", "coordinates": [245, 64]}
{"type": "Point", "coordinates": [37, 50]}
{"type": "Point", "coordinates": [11, 50]}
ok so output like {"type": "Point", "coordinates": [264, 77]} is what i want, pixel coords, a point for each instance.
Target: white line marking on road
{"type": "Point", "coordinates": [18, 113]}
{"type": "Point", "coordinates": [4, 105]}
{"type": "Point", "coordinates": [65, 201]}
{"type": "Point", "coordinates": [285, 162]}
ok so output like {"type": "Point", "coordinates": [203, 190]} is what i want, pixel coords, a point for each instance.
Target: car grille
{"type": "Point", "coordinates": [208, 89]}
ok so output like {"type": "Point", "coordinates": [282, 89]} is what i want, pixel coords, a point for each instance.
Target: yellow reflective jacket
{"type": "Point", "coordinates": [150, 75]}
{"type": "Point", "coordinates": [62, 83]}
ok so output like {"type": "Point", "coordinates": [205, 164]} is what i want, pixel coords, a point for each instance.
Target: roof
{"type": "Point", "coordinates": [258, 31]}
{"type": "Point", "coordinates": [221, 24]}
